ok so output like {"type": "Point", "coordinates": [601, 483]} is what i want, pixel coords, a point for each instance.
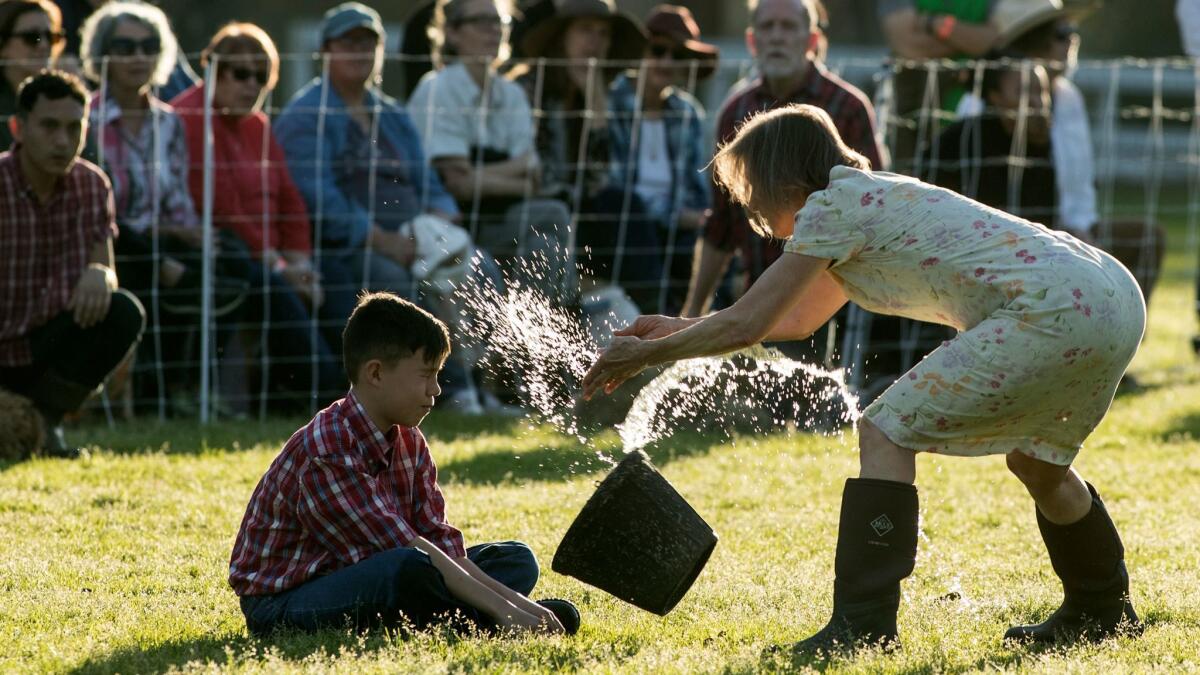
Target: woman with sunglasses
{"type": "Point", "coordinates": [31, 39]}
{"type": "Point", "coordinates": [253, 196]}
{"type": "Point", "coordinates": [577, 52]}
{"type": "Point", "coordinates": [128, 48]}
{"type": "Point", "coordinates": [657, 137]}
{"type": "Point", "coordinates": [477, 130]}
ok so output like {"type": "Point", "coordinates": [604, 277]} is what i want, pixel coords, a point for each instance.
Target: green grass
{"type": "Point", "coordinates": [118, 562]}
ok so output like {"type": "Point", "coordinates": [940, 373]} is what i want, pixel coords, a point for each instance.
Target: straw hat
{"type": "Point", "coordinates": [628, 36]}
{"type": "Point", "coordinates": [676, 23]}
{"type": "Point", "coordinates": [1014, 18]}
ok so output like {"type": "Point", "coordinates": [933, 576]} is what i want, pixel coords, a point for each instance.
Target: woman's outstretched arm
{"type": "Point", "coordinates": [750, 320]}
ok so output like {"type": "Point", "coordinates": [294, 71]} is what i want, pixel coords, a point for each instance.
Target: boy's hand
{"type": "Point", "coordinates": [550, 620]}
{"type": "Point", "coordinates": [519, 621]}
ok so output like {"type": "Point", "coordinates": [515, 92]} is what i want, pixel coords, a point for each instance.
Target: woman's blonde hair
{"type": "Point", "coordinates": [779, 157]}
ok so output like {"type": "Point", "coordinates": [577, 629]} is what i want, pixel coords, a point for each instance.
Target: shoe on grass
{"type": "Point", "coordinates": [566, 612]}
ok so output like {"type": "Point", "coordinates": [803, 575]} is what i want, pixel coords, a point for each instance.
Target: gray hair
{"type": "Point", "coordinates": [98, 30]}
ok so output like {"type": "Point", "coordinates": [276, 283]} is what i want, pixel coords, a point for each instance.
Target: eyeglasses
{"type": "Point", "coordinates": [242, 73]}
{"type": "Point", "coordinates": [660, 51]}
{"type": "Point", "coordinates": [34, 38]}
{"type": "Point", "coordinates": [493, 21]}
{"type": "Point", "coordinates": [122, 46]}
{"type": "Point", "coordinates": [360, 43]}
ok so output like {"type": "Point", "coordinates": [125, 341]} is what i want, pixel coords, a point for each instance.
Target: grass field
{"type": "Point", "coordinates": [117, 563]}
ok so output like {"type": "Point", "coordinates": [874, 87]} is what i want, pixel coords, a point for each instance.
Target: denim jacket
{"type": "Point", "coordinates": [683, 119]}
{"type": "Point", "coordinates": [314, 129]}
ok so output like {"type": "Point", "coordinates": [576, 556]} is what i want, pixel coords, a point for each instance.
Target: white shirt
{"type": "Point", "coordinates": [452, 117]}
{"type": "Point", "coordinates": [654, 166]}
{"type": "Point", "coordinates": [1074, 163]}
{"type": "Point", "coordinates": [1187, 13]}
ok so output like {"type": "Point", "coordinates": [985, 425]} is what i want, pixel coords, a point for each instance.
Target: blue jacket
{"type": "Point", "coordinates": [683, 118]}
{"type": "Point", "coordinates": [316, 147]}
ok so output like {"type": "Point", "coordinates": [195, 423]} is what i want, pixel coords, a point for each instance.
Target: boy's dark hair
{"type": "Point", "coordinates": [387, 327]}
{"type": "Point", "coordinates": [780, 156]}
{"type": "Point", "coordinates": [50, 84]}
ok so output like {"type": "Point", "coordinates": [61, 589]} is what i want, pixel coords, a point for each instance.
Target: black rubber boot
{"type": "Point", "coordinates": [54, 396]}
{"type": "Point", "coordinates": [1089, 558]}
{"type": "Point", "coordinates": [877, 547]}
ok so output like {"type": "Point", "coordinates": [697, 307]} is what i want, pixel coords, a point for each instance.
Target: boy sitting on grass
{"type": "Point", "coordinates": [348, 526]}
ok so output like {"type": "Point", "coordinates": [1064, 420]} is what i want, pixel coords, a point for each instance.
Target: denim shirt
{"type": "Point", "coordinates": [315, 132]}
{"type": "Point", "coordinates": [683, 118]}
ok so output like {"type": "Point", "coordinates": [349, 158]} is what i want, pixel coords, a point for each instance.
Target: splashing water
{"type": "Point", "coordinates": [756, 390]}
{"type": "Point", "coordinates": [545, 350]}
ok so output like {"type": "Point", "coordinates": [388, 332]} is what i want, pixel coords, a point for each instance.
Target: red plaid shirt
{"type": "Point", "coordinates": [339, 492]}
{"type": "Point", "coordinates": [727, 228]}
{"type": "Point", "coordinates": [44, 248]}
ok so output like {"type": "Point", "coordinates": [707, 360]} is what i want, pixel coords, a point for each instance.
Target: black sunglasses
{"type": "Point", "coordinates": [33, 38]}
{"type": "Point", "coordinates": [483, 21]}
{"type": "Point", "coordinates": [122, 46]}
{"type": "Point", "coordinates": [242, 73]}
{"type": "Point", "coordinates": [660, 50]}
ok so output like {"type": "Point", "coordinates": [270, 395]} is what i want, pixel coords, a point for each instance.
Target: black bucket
{"type": "Point", "coordinates": [637, 539]}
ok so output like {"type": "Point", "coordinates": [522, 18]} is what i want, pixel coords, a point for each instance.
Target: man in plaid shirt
{"type": "Point", "coordinates": [348, 526]}
{"type": "Point", "coordinates": [782, 37]}
{"type": "Point", "coordinates": [64, 324]}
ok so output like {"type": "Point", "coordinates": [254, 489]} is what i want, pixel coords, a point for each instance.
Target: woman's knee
{"type": "Point", "coordinates": [1034, 473]}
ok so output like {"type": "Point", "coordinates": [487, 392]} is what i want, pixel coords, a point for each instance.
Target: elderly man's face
{"type": "Point", "coordinates": [780, 38]}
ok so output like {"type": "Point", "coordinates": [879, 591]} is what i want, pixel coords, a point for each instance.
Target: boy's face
{"type": "Point", "coordinates": [402, 392]}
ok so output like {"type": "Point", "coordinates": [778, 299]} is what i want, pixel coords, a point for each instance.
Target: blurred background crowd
{"type": "Point", "coordinates": [265, 162]}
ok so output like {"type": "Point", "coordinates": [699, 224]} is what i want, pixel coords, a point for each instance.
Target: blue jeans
{"type": "Point", "coordinates": [387, 589]}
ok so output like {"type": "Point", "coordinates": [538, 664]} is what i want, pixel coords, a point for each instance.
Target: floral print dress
{"type": "Point", "coordinates": [1047, 324]}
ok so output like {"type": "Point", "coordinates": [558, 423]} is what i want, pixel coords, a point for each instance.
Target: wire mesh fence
{"type": "Point", "coordinates": [251, 219]}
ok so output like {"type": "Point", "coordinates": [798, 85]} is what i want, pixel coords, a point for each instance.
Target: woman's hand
{"type": "Point", "coordinates": [624, 358]}
{"type": "Point", "coordinates": [652, 327]}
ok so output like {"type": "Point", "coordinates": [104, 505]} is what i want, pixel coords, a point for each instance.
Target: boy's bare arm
{"type": "Point", "coordinates": [518, 600]}
{"type": "Point", "coordinates": [466, 588]}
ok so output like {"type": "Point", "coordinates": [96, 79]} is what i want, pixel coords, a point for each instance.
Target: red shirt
{"type": "Point", "coordinates": [339, 492]}
{"type": "Point", "coordinates": [253, 193]}
{"type": "Point", "coordinates": [44, 248]}
{"type": "Point", "coordinates": [727, 228]}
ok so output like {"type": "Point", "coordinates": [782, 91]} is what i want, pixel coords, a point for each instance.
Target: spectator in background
{"type": "Point", "coordinates": [75, 14]}
{"type": "Point", "coordinates": [586, 44]}
{"type": "Point", "coordinates": [31, 39]}
{"type": "Point", "coordinates": [64, 324]}
{"type": "Point", "coordinates": [254, 197]}
{"type": "Point", "coordinates": [658, 147]}
{"type": "Point", "coordinates": [357, 160]}
{"type": "Point", "coordinates": [1053, 40]}
{"type": "Point", "coordinates": [1002, 157]}
{"type": "Point", "coordinates": [477, 129]}
{"type": "Point", "coordinates": [139, 142]}
{"type": "Point", "coordinates": [917, 30]}
{"type": "Point", "coordinates": [781, 40]}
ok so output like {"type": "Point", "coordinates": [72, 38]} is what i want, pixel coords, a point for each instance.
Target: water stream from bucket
{"type": "Point", "coordinates": [546, 350]}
